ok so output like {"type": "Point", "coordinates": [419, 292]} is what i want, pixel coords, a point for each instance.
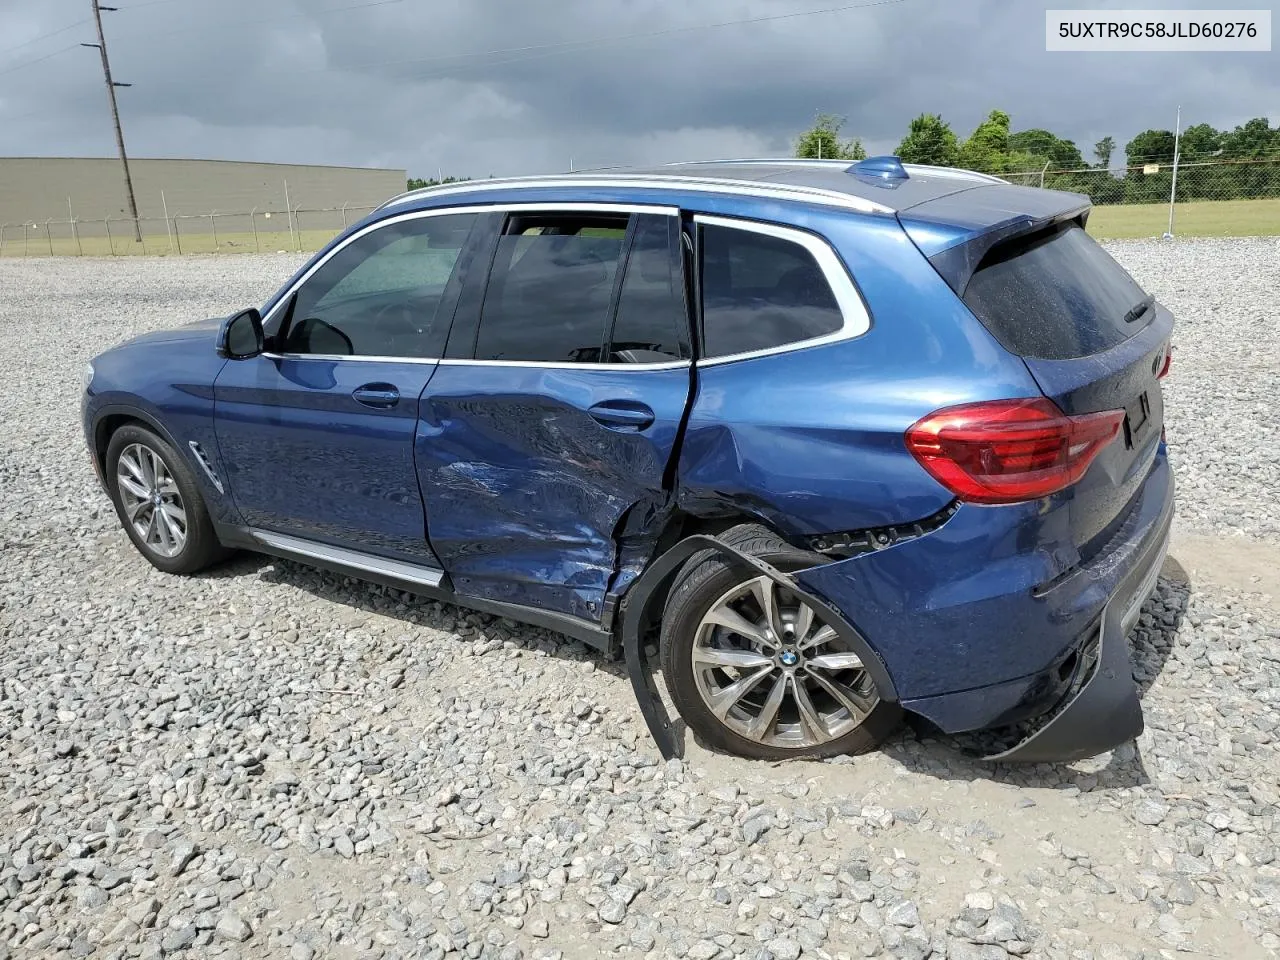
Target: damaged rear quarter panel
{"type": "Point", "coordinates": [811, 440]}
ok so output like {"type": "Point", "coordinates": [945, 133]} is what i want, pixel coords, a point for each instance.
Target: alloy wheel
{"type": "Point", "coordinates": [772, 672]}
{"type": "Point", "coordinates": [151, 501]}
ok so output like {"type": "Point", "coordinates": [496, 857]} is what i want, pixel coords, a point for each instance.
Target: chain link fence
{"type": "Point", "coordinates": [1153, 182]}
{"type": "Point", "coordinates": [253, 231]}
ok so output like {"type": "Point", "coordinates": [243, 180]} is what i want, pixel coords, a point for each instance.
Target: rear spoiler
{"type": "Point", "coordinates": [957, 230]}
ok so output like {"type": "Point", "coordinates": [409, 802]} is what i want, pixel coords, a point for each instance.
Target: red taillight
{"type": "Point", "coordinates": [1168, 362]}
{"type": "Point", "coordinates": [1006, 451]}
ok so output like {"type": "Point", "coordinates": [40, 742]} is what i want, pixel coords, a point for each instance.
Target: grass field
{"type": "Point", "coordinates": [1205, 218]}
{"type": "Point", "coordinates": [40, 244]}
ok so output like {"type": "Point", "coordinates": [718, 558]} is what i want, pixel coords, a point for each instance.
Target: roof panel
{"type": "Point", "coordinates": [826, 182]}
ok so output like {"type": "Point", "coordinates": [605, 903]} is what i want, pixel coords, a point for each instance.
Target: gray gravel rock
{"type": "Point", "coordinates": [232, 927]}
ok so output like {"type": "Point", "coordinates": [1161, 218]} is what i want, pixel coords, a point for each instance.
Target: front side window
{"type": "Point", "coordinates": [380, 294]}
{"type": "Point", "coordinates": [761, 291]}
{"type": "Point", "coordinates": [551, 288]}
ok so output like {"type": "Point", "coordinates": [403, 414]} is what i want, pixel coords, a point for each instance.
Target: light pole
{"type": "Point", "coordinates": [1173, 190]}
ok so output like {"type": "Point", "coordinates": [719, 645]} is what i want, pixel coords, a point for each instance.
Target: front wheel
{"type": "Point", "coordinates": [755, 671]}
{"type": "Point", "coordinates": [159, 505]}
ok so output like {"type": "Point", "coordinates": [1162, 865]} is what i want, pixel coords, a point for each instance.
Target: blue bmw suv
{"type": "Point", "coordinates": [833, 443]}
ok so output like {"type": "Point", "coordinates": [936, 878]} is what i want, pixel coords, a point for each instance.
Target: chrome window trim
{"type": "Point", "coordinates": [737, 188]}
{"type": "Point", "coordinates": [565, 365]}
{"type": "Point", "coordinates": [464, 362]}
{"type": "Point", "coordinates": [550, 206]}
{"type": "Point", "coordinates": [356, 560]}
{"type": "Point", "coordinates": [853, 311]}
{"type": "Point", "coordinates": [330, 357]}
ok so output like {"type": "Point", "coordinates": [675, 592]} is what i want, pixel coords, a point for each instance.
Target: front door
{"type": "Point", "coordinates": [317, 434]}
{"type": "Point", "coordinates": [550, 425]}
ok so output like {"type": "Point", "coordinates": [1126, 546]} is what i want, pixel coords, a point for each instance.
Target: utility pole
{"type": "Point", "coordinates": [115, 112]}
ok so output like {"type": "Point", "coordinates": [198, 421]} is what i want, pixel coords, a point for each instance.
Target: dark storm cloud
{"type": "Point", "coordinates": [500, 86]}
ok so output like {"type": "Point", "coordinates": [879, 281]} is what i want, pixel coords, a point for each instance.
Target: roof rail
{"type": "Point", "coordinates": [957, 173]}
{"type": "Point", "coordinates": [773, 161]}
{"type": "Point", "coordinates": [779, 191]}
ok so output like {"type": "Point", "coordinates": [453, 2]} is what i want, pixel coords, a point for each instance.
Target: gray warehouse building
{"type": "Point", "coordinates": [34, 190]}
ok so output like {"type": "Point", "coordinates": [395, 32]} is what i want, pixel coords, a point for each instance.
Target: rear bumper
{"type": "Point", "coordinates": [994, 618]}
{"type": "Point", "coordinates": [1100, 709]}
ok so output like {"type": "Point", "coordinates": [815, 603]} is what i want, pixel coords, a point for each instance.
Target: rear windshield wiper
{"type": "Point", "coordinates": [1139, 309]}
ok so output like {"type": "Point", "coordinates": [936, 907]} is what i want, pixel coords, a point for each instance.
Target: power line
{"type": "Point", "coordinates": [154, 34]}
{"type": "Point", "coordinates": [44, 36]}
{"type": "Point", "coordinates": [31, 63]}
{"type": "Point", "coordinates": [569, 46]}
{"type": "Point", "coordinates": [533, 51]}
{"type": "Point", "coordinates": [189, 29]}
{"type": "Point", "coordinates": [149, 3]}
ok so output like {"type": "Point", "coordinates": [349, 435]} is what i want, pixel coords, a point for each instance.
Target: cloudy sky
{"type": "Point", "coordinates": [477, 87]}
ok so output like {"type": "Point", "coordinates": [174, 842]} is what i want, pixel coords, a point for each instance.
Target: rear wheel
{"type": "Point", "coordinates": [754, 670]}
{"type": "Point", "coordinates": [159, 505]}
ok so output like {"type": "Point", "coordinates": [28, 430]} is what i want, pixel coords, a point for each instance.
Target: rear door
{"type": "Point", "coordinates": [1093, 340]}
{"type": "Point", "coordinates": [548, 430]}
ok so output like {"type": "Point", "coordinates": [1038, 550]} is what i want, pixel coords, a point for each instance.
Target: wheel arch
{"type": "Point", "coordinates": [641, 606]}
{"type": "Point", "coordinates": [111, 418]}
{"type": "Point", "coordinates": [677, 525]}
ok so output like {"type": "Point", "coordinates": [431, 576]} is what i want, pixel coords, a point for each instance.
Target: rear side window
{"type": "Point", "coordinates": [1056, 295]}
{"type": "Point", "coordinates": [551, 288]}
{"type": "Point", "coordinates": [761, 291]}
{"type": "Point", "coordinates": [651, 306]}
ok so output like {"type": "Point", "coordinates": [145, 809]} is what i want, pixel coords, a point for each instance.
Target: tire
{"type": "Point", "coordinates": [177, 536]}
{"type": "Point", "coordinates": [707, 582]}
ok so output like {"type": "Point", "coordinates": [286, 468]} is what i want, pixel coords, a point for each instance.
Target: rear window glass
{"type": "Point", "coordinates": [1055, 296]}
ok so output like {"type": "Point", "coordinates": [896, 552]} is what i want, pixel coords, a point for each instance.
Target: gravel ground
{"type": "Point", "coordinates": [272, 761]}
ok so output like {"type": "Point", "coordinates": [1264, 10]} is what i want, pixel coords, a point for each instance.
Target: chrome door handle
{"type": "Point", "coordinates": [379, 395]}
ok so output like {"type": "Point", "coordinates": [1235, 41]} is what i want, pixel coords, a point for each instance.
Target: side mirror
{"type": "Point", "coordinates": [241, 335]}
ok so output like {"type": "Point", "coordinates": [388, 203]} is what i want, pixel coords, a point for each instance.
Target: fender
{"type": "Point", "coordinates": [222, 509]}
{"type": "Point", "coordinates": [638, 610]}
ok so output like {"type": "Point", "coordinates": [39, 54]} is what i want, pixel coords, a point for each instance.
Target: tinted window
{"type": "Point", "coordinates": [550, 289]}
{"type": "Point", "coordinates": [1055, 296]}
{"type": "Point", "coordinates": [761, 291]}
{"type": "Point", "coordinates": [380, 294]}
{"type": "Point", "coordinates": [651, 307]}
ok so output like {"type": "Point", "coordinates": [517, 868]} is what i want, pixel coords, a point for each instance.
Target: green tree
{"type": "Point", "coordinates": [1046, 148]}
{"type": "Point", "coordinates": [1199, 178]}
{"type": "Point", "coordinates": [417, 183]}
{"type": "Point", "coordinates": [987, 149]}
{"type": "Point", "coordinates": [1255, 140]}
{"type": "Point", "coordinates": [931, 140]}
{"type": "Point", "coordinates": [1098, 184]}
{"type": "Point", "coordinates": [1150, 146]}
{"type": "Point", "coordinates": [822, 141]}
{"type": "Point", "coordinates": [1200, 142]}
{"type": "Point", "coordinates": [1103, 149]}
